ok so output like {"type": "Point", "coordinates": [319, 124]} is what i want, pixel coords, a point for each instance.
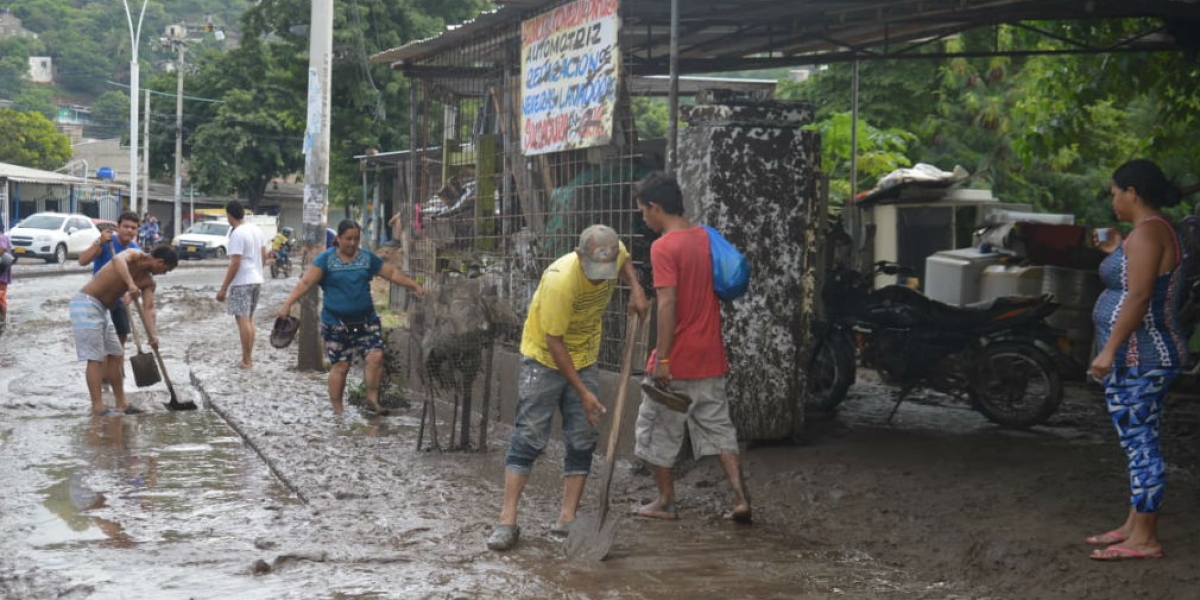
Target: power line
{"type": "Point", "coordinates": [185, 97]}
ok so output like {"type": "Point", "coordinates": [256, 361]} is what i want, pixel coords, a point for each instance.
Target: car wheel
{"type": "Point", "coordinates": [60, 255]}
{"type": "Point", "coordinates": [219, 252]}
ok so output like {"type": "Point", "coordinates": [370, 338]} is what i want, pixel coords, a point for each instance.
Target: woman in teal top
{"type": "Point", "coordinates": [349, 324]}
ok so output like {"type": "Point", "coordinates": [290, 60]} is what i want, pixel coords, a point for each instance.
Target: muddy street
{"type": "Point", "coordinates": [264, 493]}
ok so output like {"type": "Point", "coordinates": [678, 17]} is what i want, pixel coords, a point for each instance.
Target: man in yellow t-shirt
{"type": "Point", "coordinates": [559, 347]}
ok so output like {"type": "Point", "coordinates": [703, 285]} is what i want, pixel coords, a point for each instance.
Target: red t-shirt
{"type": "Point", "coordinates": [682, 260]}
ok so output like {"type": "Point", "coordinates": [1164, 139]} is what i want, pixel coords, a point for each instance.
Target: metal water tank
{"type": "Point", "coordinates": [1076, 291]}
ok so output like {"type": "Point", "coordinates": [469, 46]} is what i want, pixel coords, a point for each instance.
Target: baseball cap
{"type": "Point", "coordinates": [598, 251]}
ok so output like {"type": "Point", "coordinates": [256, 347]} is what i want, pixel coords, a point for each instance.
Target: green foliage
{"type": "Point", "coordinates": [30, 140]}
{"type": "Point", "coordinates": [1044, 130]}
{"type": "Point", "coordinates": [651, 117]}
{"type": "Point", "coordinates": [35, 98]}
{"type": "Point", "coordinates": [880, 151]}
{"type": "Point", "coordinates": [266, 79]}
{"type": "Point", "coordinates": [110, 115]}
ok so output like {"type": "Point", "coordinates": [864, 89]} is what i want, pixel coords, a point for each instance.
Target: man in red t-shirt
{"type": "Point", "coordinates": [689, 355]}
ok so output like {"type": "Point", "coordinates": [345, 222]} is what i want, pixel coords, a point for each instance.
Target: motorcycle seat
{"type": "Point", "coordinates": [999, 309]}
{"type": "Point", "coordinates": [898, 305]}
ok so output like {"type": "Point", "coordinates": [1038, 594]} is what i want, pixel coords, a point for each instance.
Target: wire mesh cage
{"type": "Point", "coordinates": [484, 216]}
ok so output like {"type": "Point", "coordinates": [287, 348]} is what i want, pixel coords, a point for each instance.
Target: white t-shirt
{"type": "Point", "coordinates": [247, 241]}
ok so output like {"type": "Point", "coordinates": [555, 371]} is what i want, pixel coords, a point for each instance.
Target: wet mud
{"type": "Point", "coordinates": [265, 493]}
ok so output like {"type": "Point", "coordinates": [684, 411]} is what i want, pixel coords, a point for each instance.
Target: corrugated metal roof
{"type": "Point", "coordinates": [28, 175]}
{"type": "Point", "coordinates": [724, 35]}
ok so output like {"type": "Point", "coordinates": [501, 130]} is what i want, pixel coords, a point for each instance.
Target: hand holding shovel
{"type": "Point", "coordinates": [591, 536]}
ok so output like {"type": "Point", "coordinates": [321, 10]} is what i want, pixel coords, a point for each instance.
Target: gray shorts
{"type": "Point", "coordinates": [660, 430]}
{"type": "Point", "coordinates": [242, 299]}
{"type": "Point", "coordinates": [95, 336]}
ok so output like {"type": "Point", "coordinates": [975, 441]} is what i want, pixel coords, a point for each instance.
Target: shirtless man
{"type": "Point", "coordinates": [128, 275]}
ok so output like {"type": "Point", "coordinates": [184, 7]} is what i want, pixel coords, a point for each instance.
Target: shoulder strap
{"type": "Point", "coordinates": [1174, 236]}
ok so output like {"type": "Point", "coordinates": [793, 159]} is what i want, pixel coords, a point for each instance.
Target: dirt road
{"type": "Point", "coordinates": [293, 502]}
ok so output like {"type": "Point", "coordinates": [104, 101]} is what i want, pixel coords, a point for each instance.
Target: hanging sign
{"type": "Point", "coordinates": [569, 66]}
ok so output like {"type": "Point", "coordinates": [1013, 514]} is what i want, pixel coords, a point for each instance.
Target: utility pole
{"type": "Point", "coordinates": [134, 40]}
{"type": "Point", "coordinates": [146, 153]}
{"type": "Point", "coordinates": [179, 136]}
{"type": "Point", "coordinates": [316, 171]}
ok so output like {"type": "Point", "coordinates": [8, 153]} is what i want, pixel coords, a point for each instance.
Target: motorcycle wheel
{"type": "Point", "coordinates": [287, 269]}
{"type": "Point", "coordinates": [274, 270]}
{"type": "Point", "coordinates": [1015, 385]}
{"type": "Point", "coordinates": [831, 372]}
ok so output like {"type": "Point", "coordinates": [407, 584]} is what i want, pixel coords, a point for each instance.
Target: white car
{"type": "Point", "coordinates": [53, 237]}
{"type": "Point", "coordinates": [207, 238]}
{"type": "Point", "coordinates": [211, 238]}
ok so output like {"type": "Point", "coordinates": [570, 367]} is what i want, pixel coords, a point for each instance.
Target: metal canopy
{"type": "Point", "coordinates": [727, 35]}
{"type": "Point", "coordinates": [27, 175]}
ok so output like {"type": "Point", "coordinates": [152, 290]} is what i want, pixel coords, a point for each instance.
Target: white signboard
{"type": "Point", "coordinates": [569, 66]}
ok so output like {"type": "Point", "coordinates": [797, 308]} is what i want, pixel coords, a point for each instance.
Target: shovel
{"type": "Point", "coordinates": [174, 404]}
{"type": "Point", "coordinates": [145, 370]}
{"type": "Point", "coordinates": [591, 536]}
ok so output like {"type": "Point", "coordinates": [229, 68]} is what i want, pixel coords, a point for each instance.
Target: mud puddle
{"type": "Point", "coordinates": [161, 505]}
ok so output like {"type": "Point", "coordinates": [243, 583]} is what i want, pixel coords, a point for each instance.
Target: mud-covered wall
{"type": "Point", "coordinates": [749, 171]}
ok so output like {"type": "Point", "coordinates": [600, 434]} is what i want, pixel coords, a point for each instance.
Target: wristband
{"type": "Point", "coordinates": [664, 361]}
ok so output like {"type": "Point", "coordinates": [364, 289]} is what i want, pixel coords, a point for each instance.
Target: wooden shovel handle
{"type": "Point", "coordinates": [162, 367]}
{"type": "Point", "coordinates": [137, 340]}
{"type": "Point", "coordinates": [614, 432]}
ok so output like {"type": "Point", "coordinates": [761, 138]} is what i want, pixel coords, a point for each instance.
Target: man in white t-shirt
{"type": "Point", "coordinates": [243, 280]}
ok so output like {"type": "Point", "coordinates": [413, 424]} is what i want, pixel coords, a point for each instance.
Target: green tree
{"type": "Point", "coordinates": [30, 140]}
{"type": "Point", "coordinates": [266, 79]}
{"type": "Point", "coordinates": [651, 117]}
{"type": "Point", "coordinates": [14, 64]}
{"type": "Point", "coordinates": [880, 151]}
{"type": "Point", "coordinates": [110, 115]}
{"type": "Point", "coordinates": [36, 98]}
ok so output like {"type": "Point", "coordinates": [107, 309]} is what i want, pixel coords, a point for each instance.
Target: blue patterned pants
{"type": "Point", "coordinates": [1134, 396]}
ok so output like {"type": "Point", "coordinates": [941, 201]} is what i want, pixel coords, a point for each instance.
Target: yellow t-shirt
{"type": "Point", "coordinates": [567, 304]}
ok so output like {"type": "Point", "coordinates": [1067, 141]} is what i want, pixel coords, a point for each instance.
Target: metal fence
{"type": "Point", "coordinates": [472, 204]}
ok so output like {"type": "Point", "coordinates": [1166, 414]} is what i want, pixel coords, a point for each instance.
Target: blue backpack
{"type": "Point", "coordinates": [731, 272]}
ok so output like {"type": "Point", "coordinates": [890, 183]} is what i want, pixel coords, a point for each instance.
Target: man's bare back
{"type": "Point", "coordinates": [115, 279]}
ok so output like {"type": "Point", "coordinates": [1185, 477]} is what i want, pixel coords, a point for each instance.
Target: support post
{"type": "Point", "coordinates": [316, 172]}
{"type": "Point", "coordinates": [146, 152]}
{"type": "Point", "coordinates": [673, 92]}
{"type": "Point", "coordinates": [134, 85]}
{"type": "Point", "coordinates": [178, 216]}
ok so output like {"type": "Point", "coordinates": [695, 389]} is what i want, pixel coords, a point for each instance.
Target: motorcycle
{"type": "Point", "coordinates": [999, 356]}
{"type": "Point", "coordinates": [281, 263]}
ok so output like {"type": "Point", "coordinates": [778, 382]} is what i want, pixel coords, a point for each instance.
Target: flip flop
{"type": "Point", "coordinates": [1106, 539]}
{"type": "Point", "coordinates": [1121, 553]}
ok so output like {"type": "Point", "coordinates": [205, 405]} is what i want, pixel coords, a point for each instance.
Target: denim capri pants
{"type": "Point", "coordinates": [542, 391]}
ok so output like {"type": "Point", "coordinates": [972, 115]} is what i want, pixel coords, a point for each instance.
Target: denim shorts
{"type": "Point", "coordinates": [541, 391]}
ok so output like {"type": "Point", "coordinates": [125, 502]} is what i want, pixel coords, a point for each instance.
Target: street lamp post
{"type": "Point", "coordinates": [134, 39]}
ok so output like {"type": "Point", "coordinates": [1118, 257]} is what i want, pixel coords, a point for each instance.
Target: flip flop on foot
{"type": "Point", "coordinates": [1119, 553]}
{"type": "Point", "coordinates": [654, 511]}
{"type": "Point", "coordinates": [561, 529]}
{"type": "Point", "coordinates": [504, 537]}
{"type": "Point", "coordinates": [377, 409]}
{"type": "Point", "coordinates": [741, 515]}
{"type": "Point", "coordinates": [1106, 539]}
